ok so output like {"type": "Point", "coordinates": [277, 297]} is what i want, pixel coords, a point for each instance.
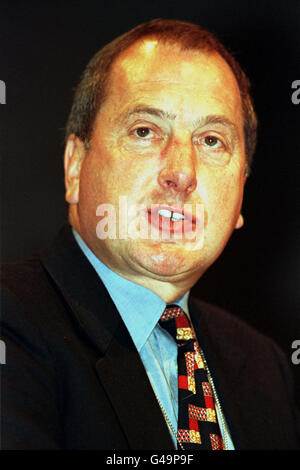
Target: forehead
{"type": "Point", "coordinates": [165, 76]}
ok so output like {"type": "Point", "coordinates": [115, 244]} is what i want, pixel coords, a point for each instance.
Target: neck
{"type": "Point", "coordinates": [168, 291]}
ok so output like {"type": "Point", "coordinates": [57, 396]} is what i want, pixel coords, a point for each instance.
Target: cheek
{"type": "Point", "coordinates": [224, 204]}
{"type": "Point", "coordinates": [110, 173]}
{"type": "Point", "coordinates": [131, 175]}
{"type": "Point", "coordinates": [88, 180]}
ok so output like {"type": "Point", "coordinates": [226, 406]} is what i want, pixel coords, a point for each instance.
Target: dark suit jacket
{"type": "Point", "coordinates": [74, 380]}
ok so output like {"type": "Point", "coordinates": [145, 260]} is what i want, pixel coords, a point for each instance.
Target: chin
{"type": "Point", "coordinates": [164, 259]}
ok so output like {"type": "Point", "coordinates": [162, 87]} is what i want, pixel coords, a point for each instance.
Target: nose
{"type": "Point", "coordinates": [178, 172]}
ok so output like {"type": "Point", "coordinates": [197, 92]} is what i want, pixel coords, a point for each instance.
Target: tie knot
{"type": "Point", "coordinates": [172, 311]}
{"type": "Point", "coordinates": [176, 322]}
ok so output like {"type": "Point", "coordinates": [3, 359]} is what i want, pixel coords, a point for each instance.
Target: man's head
{"type": "Point", "coordinates": [168, 121]}
{"type": "Point", "coordinates": [91, 90]}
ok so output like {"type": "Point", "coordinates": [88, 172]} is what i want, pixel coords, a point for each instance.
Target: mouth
{"type": "Point", "coordinates": [171, 219]}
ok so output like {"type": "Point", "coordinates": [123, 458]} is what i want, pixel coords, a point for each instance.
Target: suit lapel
{"type": "Point", "coordinates": [246, 400]}
{"type": "Point", "coordinates": [128, 390]}
{"type": "Point", "coordinates": [132, 395]}
{"type": "Point", "coordinates": [227, 365]}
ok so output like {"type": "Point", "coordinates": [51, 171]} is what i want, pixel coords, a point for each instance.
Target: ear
{"type": "Point", "coordinates": [73, 158]}
{"type": "Point", "coordinates": [240, 222]}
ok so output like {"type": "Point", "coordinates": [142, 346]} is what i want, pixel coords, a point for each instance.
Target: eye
{"type": "Point", "coordinates": [212, 142]}
{"type": "Point", "coordinates": [143, 132]}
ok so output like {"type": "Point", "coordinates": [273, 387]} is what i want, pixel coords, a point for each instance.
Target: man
{"type": "Point", "coordinates": [163, 118]}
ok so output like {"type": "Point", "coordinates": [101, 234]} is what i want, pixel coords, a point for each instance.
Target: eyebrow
{"type": "Point", "coordinates": [200, 122]}
{"type": "Point", "coordinates": [144, 109]}
{"type": "Point", "coordinates": [217, 119]}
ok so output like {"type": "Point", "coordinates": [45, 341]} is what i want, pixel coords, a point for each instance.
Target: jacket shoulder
{"type": "Point", "coordinates": [22, 274]}
{"type": "Point", "coordinates": [228, 324]}
{"type": "Point", "coordinates": [233, 334]}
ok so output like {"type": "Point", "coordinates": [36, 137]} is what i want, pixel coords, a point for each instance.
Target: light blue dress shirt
{"type": "Point", "coordinates": [141, 310]}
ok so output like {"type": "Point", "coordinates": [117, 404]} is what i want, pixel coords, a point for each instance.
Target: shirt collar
{"type": "Point", "coordinates": [139, 307]}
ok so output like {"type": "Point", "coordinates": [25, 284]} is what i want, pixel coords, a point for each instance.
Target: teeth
{"type": "Point", "coordinates": [165, 213]}
{"type": "Point", "coordinates": [174, 216]}
{"type": "Point", "coordinates": [177, 216]}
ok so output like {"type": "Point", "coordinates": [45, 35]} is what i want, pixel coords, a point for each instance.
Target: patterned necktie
{"type": "Point", "coordinates": [198, 428]}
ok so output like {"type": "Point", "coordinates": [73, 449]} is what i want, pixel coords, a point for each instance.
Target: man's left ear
{"type": "Point", "coordinates": [240, 222]}
{"type": "Point", "coordinates": [73, 159]}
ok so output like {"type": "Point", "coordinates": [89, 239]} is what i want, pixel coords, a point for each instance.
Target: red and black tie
{"type": "Point", "coordinates": [198, 427]}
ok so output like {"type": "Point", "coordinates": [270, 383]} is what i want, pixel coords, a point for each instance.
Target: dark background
{"type": "Point", "coordinates": [43, 50]}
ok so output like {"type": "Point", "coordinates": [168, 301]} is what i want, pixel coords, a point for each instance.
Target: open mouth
{"type": "Point", "coordinates": [170, 219]}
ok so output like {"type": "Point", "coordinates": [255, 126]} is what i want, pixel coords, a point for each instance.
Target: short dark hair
{"type": "Point", "coordinates": [90, 93]}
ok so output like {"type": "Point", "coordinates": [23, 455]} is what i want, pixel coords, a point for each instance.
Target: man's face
{"type": "Point", "coordinates": [170, 132]}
